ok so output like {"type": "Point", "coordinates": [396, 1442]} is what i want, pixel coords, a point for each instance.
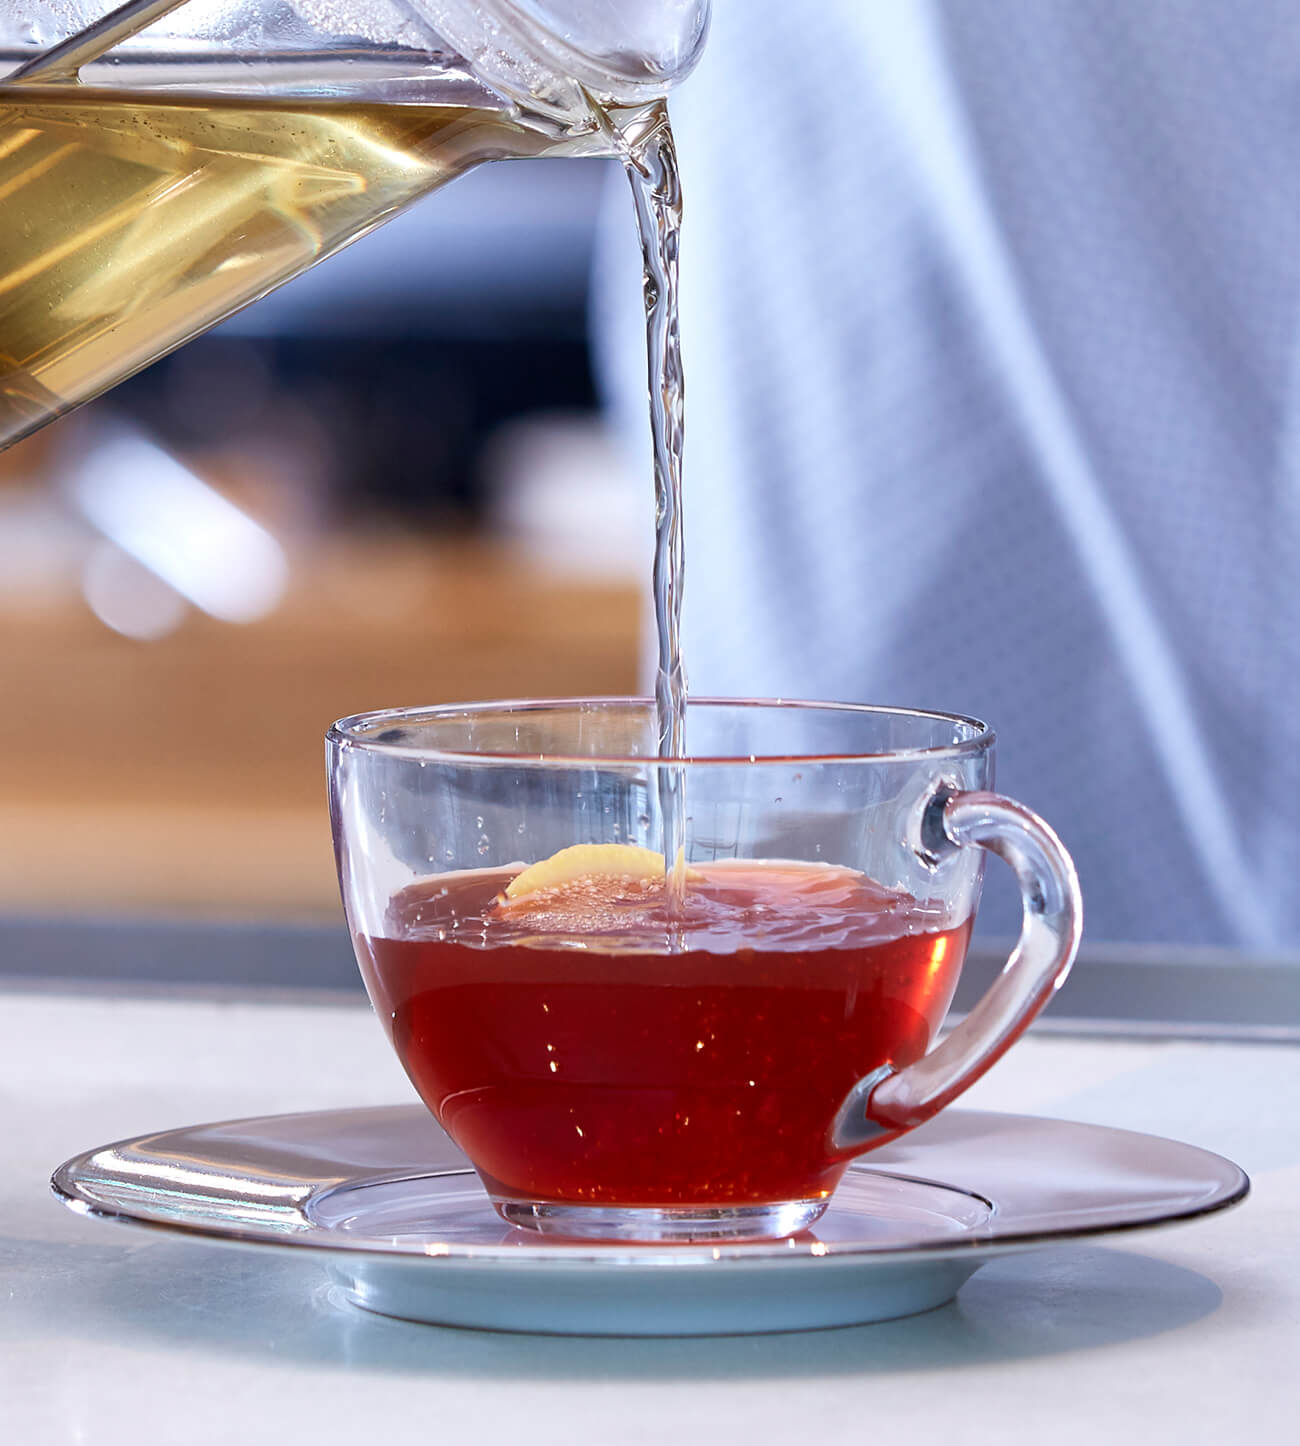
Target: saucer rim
{"type": "Point", "coordinates": [557, 1256]}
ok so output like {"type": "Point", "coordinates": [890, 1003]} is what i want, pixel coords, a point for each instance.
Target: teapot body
{"type": "Point", "coordinates": [166, 165]}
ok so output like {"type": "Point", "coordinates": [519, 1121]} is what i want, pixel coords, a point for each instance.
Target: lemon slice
{"type": "Point", "coordinates": [588, 861]}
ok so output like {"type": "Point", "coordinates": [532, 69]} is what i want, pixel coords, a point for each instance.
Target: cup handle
{"type": "Point", "coordinates": [888, 1101]}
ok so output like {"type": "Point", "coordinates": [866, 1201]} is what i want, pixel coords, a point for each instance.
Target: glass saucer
{"type": "Point", "coordinates": [404, 1227]}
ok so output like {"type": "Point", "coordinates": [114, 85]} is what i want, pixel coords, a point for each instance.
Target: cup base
{"type": "Point", "coordinates": [706, 1223]}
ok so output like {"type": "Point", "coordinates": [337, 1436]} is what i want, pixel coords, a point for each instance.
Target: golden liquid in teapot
{"type": "Point", "coordinates": [131, 222]}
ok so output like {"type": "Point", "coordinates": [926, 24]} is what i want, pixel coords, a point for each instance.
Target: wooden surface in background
{"type": "Point", "coordinates": [187, 775]}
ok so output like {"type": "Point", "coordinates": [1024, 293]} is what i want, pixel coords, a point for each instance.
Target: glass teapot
{"type": "Point", "coordinates": [166, 163]}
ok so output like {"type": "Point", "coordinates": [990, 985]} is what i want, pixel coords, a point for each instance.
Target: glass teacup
{"type": "Point", "coordinates": [633, 1042]}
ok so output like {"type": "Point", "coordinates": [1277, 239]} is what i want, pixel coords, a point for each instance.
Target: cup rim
{"type": "Point", "coordinates": [344, 734]}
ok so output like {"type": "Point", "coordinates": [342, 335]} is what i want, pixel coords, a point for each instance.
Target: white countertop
{"type": "Point", "coordinates": [1185, 1334]}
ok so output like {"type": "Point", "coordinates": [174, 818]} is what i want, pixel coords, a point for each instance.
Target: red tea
{"type": "Point", "coordinates": [581, 1045]}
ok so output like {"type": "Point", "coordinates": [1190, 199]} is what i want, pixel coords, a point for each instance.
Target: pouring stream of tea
{"type": "Point", "coordinates": [644, 141]}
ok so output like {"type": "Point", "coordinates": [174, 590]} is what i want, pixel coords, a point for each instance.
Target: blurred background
{"type": "Point", "coordinates": [982, 415]}
{"type": "Point", "coordinates": [384, 484]}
